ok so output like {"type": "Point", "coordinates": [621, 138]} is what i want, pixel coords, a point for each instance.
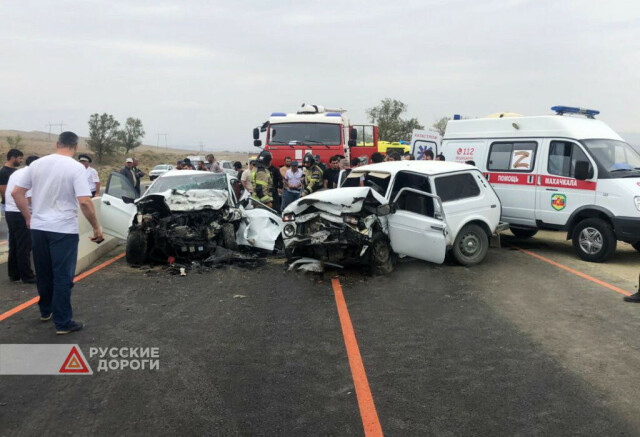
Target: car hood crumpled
{"type": "Point", "coordinates": [195, 200]}
{"type": "Point", "coordinates": [337, 201]}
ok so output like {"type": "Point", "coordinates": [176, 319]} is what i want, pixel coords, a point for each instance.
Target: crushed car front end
{"type": "Point", "coordinates": [336, 226]}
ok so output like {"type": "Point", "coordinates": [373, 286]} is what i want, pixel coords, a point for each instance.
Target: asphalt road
{"type": "Point", "coordinates": [516, 346]}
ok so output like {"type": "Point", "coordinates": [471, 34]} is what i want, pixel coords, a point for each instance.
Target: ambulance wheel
{"type": "Point", "coordinates": [523, 233]}
{"type": "Point", "coordinates": [229, 236]}
{"type": "Point", "coordinates": [471, 245]}
{"type": "Point", "coordinates": [636, 245]}
{"type": "Point", "coordinates": [382, 258]}
{"type": "Point", "coordinates": [136, 252]}
{"type": "Point", "coordinates": [594, 240]}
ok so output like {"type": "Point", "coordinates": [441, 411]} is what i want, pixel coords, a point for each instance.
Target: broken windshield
{"type": "Point", "coordinates": [305, 133]}
{"type": "Point", "coordinates": [379, 181]}
{"type": "Point", "coordinates": [202, 181]}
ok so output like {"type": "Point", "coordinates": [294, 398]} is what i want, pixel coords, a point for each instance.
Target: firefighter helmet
{"type": "Point", "coordinates": [308, 160]}
{"type": "Point", "coordinates": [264, 158]}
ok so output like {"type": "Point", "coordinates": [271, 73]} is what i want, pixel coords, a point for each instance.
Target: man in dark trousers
{"type": "Point", "coordinates": [19, 263]}
{"type": "Point", "coordinates": [59, 186]}
{"type": "Point", "coordinates": [130, 173]}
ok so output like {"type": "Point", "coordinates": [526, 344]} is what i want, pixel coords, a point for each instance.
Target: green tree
{"type": "Point", "coordinates": [440, 125]}
{"type": "Point", "coordinates": [130, 137]}
{"type": "Point", "coordinates": [103, 132]}
{"type": "Point", "coordinates": [15, 142]}
{"type": "Point", "coordinates": [391, 126]}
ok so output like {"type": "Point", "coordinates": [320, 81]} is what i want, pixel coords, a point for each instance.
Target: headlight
{"type": "Point", "coordinates": [289, 230]}
{"type": "Point", "coordinates": [290, 217]}
{"type": "Point", "coordinates": [637, 201]}
{"type": "Point", "coordinates": [350, 219]}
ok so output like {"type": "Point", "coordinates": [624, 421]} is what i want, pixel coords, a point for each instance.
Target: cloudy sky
{"type": "Point", "coordinates": [211, 71]}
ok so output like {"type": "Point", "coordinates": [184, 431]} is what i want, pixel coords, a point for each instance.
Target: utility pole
{"type": "Point", "coordinates": [55, 124]}
{"type": "Point", "coordinates": [201, 144]}
{"type": "Point", "coordinates": [166, 144]}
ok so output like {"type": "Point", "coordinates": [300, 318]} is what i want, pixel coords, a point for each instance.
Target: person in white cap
{"type": "Point", "coordinates": [92, 174]}
{"type": "Point", "coordinates": [129, 172]}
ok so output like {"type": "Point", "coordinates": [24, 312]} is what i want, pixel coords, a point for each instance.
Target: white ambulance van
{"type": "Point", "coordinates": [567, 172]}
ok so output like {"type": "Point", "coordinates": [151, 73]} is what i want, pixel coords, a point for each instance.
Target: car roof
{"type": "Point", "coordinates": [426, 167]}
{"type": "Point", "coordinates": [172, 173]}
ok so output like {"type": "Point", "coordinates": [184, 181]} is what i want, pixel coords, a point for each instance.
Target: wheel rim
{"type": "Point", "coordinates": [590, 240]}
{"type": "Point", "coordinates": [469, 244]}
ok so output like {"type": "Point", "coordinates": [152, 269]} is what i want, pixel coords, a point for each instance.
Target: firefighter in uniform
{"type": "Point", "coordinates": [312, 175]}
{"type": "Point", "coordinates": [261, 179]}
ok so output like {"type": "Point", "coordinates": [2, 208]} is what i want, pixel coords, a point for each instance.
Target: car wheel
{"type": "Point", "coordinates": [136, 252]}
{"type": "Point", "coordinates": [636, 245]}
{"type": "Point", "coordinates": [471, 245]}
{"type": "Point", "coordinates": [594, 240]}
{"type": "Point", "coordinates": [229, 236]}
{"type": "Point", "coordinates": [523, 233]}
{"type": "Point", "coordinates": [382, 257]}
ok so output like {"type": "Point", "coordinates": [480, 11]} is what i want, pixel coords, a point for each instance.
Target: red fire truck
{"type": "Point", "coordinates": [317, 130]}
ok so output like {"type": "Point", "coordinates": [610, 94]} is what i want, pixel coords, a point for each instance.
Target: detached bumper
{"type": "Point", "coordinates": [627, 228]}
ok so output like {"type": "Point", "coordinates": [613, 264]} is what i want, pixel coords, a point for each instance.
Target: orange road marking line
{"type": "Point", "coordinates": [576, 272]}
{"type": "Point", "coordinates": [81, 276]}
{"type": "Point", "coordinates": [368, 412]}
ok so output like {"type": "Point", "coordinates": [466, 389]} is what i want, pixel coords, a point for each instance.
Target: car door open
{"type": "Point", "coordinates": [417, 225]}
{"type": "Point", "coordinates": [116, 215]}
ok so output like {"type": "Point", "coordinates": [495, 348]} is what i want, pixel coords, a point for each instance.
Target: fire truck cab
{"type": "Point", "coordinates": [317, 130]}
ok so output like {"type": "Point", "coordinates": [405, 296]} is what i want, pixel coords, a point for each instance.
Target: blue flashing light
{"type": "Point", "coordinates": [333, 114]}
{"type": "Point", "coordinates": [456, 116]}
{"type": "Point", "coordinates": [589, 113]}
{"type": "Point", "coordinates": [278, 114]}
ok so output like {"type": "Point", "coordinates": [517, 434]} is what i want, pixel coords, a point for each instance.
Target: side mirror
{"type": "Point", "coordinates": [257, 143]}
{"type": "Point", "coordinates": [353, 134]}
{"type": "Point", "coordinates": [256, 133]}
{"type": "Point", "coordinates": [351, 143]}
{"type": "Point", "coordinates": [127, 200]}
{"type": "Point", "coordinates": [383, 210]}
{"type": "Point", "coordinates": [582, 171]}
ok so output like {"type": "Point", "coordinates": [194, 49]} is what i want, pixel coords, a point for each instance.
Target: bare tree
{"type": "Point", "coordinates": [440, 125]}
{"type": "Point", "coordinates": [15, 142]}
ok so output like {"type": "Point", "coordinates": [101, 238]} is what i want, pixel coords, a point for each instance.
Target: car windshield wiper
{"type": "Point", "coordinates": [315, 142]}
{"type": "Point", "coordinates": [280, 142]}
{"type": "Point", "coordinates": [621, 169]}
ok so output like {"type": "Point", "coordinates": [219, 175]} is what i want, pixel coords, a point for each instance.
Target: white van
{"type": "Point", "coordinates": [567, 172]}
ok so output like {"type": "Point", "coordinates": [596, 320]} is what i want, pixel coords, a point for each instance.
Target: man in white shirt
{"type": "Point", "coordinates": [92, 174]}
{"type": "Point", "coordinates": [19, 263]}
{"type": "Point", "coordinates": [58, 183]}
{"type": "Point", "coordinates": [292, 184]}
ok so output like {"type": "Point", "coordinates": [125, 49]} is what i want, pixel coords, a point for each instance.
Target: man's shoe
{"type": "Point", "coordinates": [72, 328]}
{"type": "Point", "coordinates": [633, 298]}
{"type": "Point", "coordinates": [29, 280]}
{"type": "Point", "coordinates": [46, 318]}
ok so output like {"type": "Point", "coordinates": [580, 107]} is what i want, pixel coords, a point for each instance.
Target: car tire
{"type": "Point", "coordinates": [471, 245]}
{"type": "Point", "coordinates": [523, 233]}
{"type": "Point", "coordinates": [137, 250]}
{"type": "Point", "coordinates": [594, 240]}
{"type": "Point", "coordinates": [636, 245]}
{"type": "Point", "coordinates": [229, 236]}
{"type": "Point", "coordinates": [382, 258]}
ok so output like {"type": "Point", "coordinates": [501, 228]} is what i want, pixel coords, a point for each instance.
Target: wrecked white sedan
{"type": "Point", "coordinates": [185, 214]}
{"type": "Point", "coordinates": [421, 209]}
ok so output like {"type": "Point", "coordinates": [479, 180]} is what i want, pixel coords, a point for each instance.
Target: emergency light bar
{"type": "Point", "coordinates": [589, 113]}
{"type": "Point", "coordinates": [278, 114]}
{"type": "Point", "coordinates": [333, 114]}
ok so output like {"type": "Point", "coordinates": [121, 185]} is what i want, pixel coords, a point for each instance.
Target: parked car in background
{"type": "Point", "coordinates": [421, 209]}
{"type": "Point", "coordinates": [185, 214]}
{"type": "Point", "coordinates": [227, 167]}
{"type": "Point", "coordinates": [159, 170]}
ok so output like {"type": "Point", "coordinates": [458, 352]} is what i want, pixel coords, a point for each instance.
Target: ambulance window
{"type": "Point", "coordinates": [563, 156]}
{"type": "Point", "coordinates": [512, 156]}
{"type": "Point", "coordinates": [454, 187]}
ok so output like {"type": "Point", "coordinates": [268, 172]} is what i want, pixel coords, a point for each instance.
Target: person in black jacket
{"type": "Point", "coordinates": [277, 186]}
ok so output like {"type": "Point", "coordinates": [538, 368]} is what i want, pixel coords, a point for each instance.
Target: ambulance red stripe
{"type": "Point", "coordinates": [530, 179]}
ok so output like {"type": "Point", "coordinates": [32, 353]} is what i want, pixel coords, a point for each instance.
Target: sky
{"type": "Point", "coordinates": [208, 71]}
